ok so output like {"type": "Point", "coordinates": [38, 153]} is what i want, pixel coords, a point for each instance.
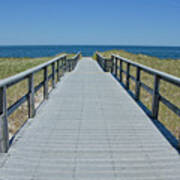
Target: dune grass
{"type": "Point", "coordinates": [171, 92]}
{"type": "Point", "coordinates": [12, 66]}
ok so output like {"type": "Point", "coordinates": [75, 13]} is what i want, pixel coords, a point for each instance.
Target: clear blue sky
{"type": "Point", "coordinates": [118, 22]}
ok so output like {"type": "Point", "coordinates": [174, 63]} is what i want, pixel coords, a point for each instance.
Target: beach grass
{"type": "Point", "coordinates": [169, 91]}
{"type": "Point", "coordinates": [13, 66]}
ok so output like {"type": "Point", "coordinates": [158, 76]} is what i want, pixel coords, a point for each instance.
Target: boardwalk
{"type": "Point", "coordinates": [90, 129]}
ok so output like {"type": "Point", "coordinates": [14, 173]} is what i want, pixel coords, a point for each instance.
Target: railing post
{"type": "Point", "coordinates": [155, 102]}
{"type": "Point", "coordinates": [138, 84]}
{"type": "Point", "coordinates": [58, 71]}
{"type": "Point", "coordinates": [112, 64]}
{"type": "Point", "coordinates": [127, 75]}
{"type": "Point", "coordinates": [31, 100]}
{"type": "Point", "coordinates": [105, 65]}
{"type": "Point", "coordinates": [62, 66]}
{"type": "Point", "coordinates": [4, 133]}
{"type": "Point", "coordinates": [53, 76]}
{"type": "Point", "coordinates": [70, 65]}
{"type": "Point", "coordinates": [46, 94]}
{"type": "Point", "coordinates": [121, 68]}
{"type": "Point", "coordinates": [99, 61]}
{"type": "Point", "coordinates": [65, 64]}
{"type": "Point", "coordinates": [73, 62]}
{"type": "Point", "coordinates": [179, 139]}
{"type": "Point", "coordinates": [102, 63]}
{"type": "Point", "coordinates": [116, 67]}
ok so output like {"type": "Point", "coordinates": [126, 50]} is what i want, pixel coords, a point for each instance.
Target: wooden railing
{"type": "Point", "coordinates": [117, 70]}
{"type": "Point", "coordinates": [105, 63]}
{"type": "Point", "coordinates": [59, 66]}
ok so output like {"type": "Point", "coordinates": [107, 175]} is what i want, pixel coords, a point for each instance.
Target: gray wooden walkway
{"type": "Point", "coordinates": [90, 129]}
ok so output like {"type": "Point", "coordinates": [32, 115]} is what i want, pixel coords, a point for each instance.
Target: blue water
{"type": "Point", "coordinates": [41, 51]}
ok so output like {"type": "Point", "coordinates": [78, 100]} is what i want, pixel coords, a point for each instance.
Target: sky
{"type": "Point", "coordinates": [90, 22]}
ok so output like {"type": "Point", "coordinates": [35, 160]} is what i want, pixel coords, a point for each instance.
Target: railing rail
{"type": "Point", "coordinates": [60, 63]}
{"type": "Point", "coordinates": [105, 63]}
{"type": "Point", "coordinates": [118, 71]}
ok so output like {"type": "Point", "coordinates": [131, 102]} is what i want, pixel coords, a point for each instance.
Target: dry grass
{"type": "Point", "coordinates": [12, 66]}
{"type": "Point", "coordinates": [171, 92]}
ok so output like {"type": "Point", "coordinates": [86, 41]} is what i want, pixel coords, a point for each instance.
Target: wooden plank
{"type": "Point", "coordinates": [31, 99]}
{"type": "Point", "coordinates": [4, 133]}
{"type": "Point", "coordinates": [171, 106]}
{"type": "Point", "coordinates": [58, 70]}
{"type": "Point", "coordinates": [165, 76]}
{"type": "Point", "coordinates": [17, 104]}
{"type": "Point", "coordinates": [147, 88]}
{"type": "Point", "coordinates": [155, 101]}
{"type": "Point", "coordinates": [138, 84]}
{"type": "Point", "coordinates": [14, 79]}
{"type": "Point", "coordinates": [121, 71]}
{"type": "Point", "coordinates": [127, 75]}
{"type": "Point", "coordinates": [53, 76]}
{"type": "Point", "coordinates": [46, 94]}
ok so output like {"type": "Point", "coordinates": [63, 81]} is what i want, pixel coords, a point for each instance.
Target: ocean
{"type": "Point", "coordinates": [44, 51]}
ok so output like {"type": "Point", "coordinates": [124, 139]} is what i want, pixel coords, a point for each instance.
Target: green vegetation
{"type": "Point", "coordinates": [171, 92]}
{"type": "Point", "coordinates": [170, 66]}
{"type": "Point", "coordinates": [12, 66]}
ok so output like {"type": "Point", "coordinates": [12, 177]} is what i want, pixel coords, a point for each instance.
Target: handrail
{"type": "Point", "coordinates": [118, 71]}
{"type": "Point", "coordinates": [104, 62]}
{"type": "Point", "coordinates": [8, 81]}
{"type": "Point", "coordinates": [170, 78]}
{"type": "Point", "coordinates": [59, 65]}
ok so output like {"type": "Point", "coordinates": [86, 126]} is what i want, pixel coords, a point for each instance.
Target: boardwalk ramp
{"type": "Point", "coordinates": [90, 128]}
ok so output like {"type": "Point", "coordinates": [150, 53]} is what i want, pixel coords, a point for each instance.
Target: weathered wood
{"type": "Point", "coordinates": [116, 67]}
{"type": "Point", "coordinates": [171, 106]}
{"type": "Point", "coordinates": [179, 139]}
{"type": "Point", "coordinates": [138, 83]}
{"type": "Point", "coordinates": [155, 101]}
{"type": "Point", "coordinates": [16, 105]}
{"type": "Point", "coordinates": [71, 65]}
{"type": "Point", "coordinates": [147, 88]}
{"type": "Point", "coordinates": [58, 70]}
{"type": "Point", "coordinates": [46, 94]}
{"type": "Point", "coordinates": [158, 75]}
{"type": "Point", "coordinates": [127, 75]}
{"type": "Point", "coordinates": [31, 94]}
{"type": "Point", "coordinates": [112, 64]}
{"type": "Point", "coordinates": [29, 97]}
{"type": "Point", "coordinates": [74, 64]}
{"type": "Point", "coordinates": [4, 133]}
{"type": "Point", "coordinates": [53, 76]}
{"type": "Point", "coordinates": [137, 149]}
{"type": "Point", "coordinates": [65, 65]}
{"type": "Point", "coordinates": [165, 76]}
{"type": "Point", "coordinates": [105, 66]}
{"type": "Point", "coordinates": [121, 71]}
{"type": "Point", "coordinates": [21, 76]}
